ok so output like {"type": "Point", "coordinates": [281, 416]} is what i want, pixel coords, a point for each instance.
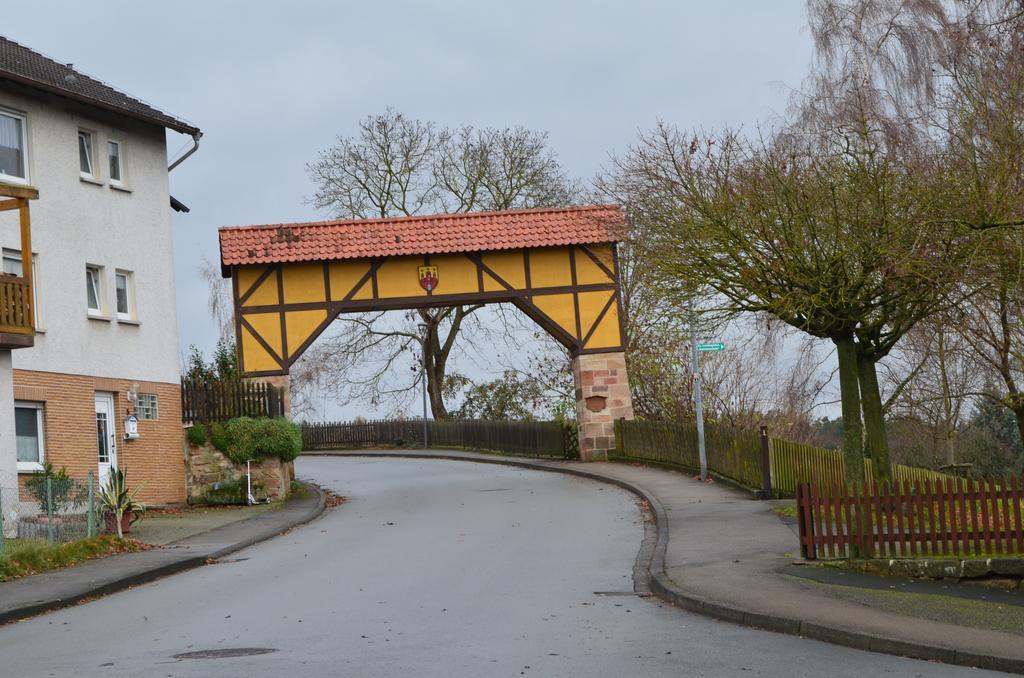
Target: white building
{"type": "Point", "coordinates": [105, 326]}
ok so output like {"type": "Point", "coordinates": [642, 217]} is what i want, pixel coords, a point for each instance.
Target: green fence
{"type": "Point", "coordinates": [51, 507]}
{"type": "Point", "coordinates": [736, 454]}
{"type": "Point", "coordinates": [794, 463]}
{"type": "Point", "coordinates": [732, 453]}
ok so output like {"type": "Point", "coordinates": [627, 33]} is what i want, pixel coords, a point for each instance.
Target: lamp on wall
{"type": "Point", "coordinates": [133, 394]}
{"type": "Point", "coordinates": [131, 422]}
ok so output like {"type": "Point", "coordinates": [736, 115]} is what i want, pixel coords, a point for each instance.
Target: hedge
{"type": "Point", "coordinates": [246, 438]}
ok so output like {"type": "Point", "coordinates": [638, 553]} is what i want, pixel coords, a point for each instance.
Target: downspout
{"type": "Point", "coordinates": [196, 136]}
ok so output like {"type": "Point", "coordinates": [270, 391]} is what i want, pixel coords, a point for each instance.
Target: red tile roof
{"type": "Point", "coordinates": [435, 234]}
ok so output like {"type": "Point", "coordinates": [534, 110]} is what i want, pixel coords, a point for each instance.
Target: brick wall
{"type": "Point", "coordinates": [69, 423]}
{"type": "Point", "coordinates": [602, 396]}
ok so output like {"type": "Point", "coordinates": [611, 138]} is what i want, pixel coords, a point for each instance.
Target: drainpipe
{"type": "Point", "coordinates": [195, 147]}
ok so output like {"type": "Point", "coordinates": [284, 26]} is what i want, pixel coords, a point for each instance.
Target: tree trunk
{"type": "Point", "coordinates": [1018, 411]}
{"type": "Point", "coordinates": [876, 442]}
{"type": "Point", "coordinates": [435, 367]}
{"type": "Point", "coordinates": [849, 388]}
{"type": "Point", "coordinates": [435, 378]}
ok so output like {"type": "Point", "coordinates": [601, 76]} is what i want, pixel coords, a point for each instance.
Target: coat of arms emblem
{"type": "Point", "coordinates": [428, 277]}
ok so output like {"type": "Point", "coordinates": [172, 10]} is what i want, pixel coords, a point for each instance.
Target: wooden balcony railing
{"type": "Point", "coordinates": [16, 306]}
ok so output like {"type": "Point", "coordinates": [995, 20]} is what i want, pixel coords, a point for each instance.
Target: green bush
{"type": "Point", "coordinates": [65, 492]}
{"type": "Point", "coordinates": [219, 437]}
{"type": "Point", "coordinates": [196, 434]}
{"type": "Point", "coordinates": [259, 438]}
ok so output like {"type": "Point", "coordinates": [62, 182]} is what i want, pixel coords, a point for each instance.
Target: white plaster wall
{"type": "Point", "coordinates": [8, 452]}
{"type": "Point", "coordinates": [75, 223]}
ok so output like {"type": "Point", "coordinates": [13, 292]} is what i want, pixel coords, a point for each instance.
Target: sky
{"type": "Point", "coordinates": [272, 83]}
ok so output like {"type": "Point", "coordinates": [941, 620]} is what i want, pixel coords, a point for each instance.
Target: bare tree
{"type": "Point", "coordinates": [398, 166]}
{"type": "Point", "coordinates": [218, 299]}
{"type": "Point", "coordinates": [933, 377]}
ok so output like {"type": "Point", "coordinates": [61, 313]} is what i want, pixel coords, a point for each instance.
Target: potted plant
{"type": "Point", "coordinates": [118, 504]}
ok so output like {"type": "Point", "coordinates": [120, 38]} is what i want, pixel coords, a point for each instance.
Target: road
{"type": "Point", "coordinates": [434, 568]}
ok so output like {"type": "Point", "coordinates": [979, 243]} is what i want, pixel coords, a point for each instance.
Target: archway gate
{"type": "Point", "coordinates": [559, 266]}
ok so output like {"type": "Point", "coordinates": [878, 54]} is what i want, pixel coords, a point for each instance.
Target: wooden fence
{"type": "Point", "coordinates": [731, 453]}
{"type": "Point", "coordinates": [744, 456]}
{"type": "Point", "coordinates": [795, 463]}
{"type": "Point", "coordinates": [527, 438]}
{"type": "Point", "coordinates": [15, 305]}
{"type": "Point", "coordinates": [356, 434]}
{"type": "Point", "coordinates": [203, 402]}
{"type": "Point", "coordinates": [929, 517]}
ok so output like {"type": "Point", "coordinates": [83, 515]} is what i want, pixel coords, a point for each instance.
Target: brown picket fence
{"type": "Point", "coordinates": [925, 517]}
{"type": "Point", "coordinates": [204, 402]}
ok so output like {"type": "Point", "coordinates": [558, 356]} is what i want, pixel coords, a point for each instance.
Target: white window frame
{"type": "Point", "coordinates": [129, 287]}
{"type": "Point", "coordinates": [155, 409]}
{"type": "Point", "coordinates": [12, 254]}
{"type": "Point", "coordinates": [28, 466]}
{"type": "Point", "coordinates": [98, 312]}
{"type": "Point", "coordinates": [90, 148]}
{"type": "Point", "coordinates": [120, 182]}
{"type": "Point", "coordinates": [10, 178]}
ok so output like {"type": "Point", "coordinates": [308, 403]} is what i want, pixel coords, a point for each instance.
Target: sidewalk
{"type": "Point", "coordinates": [231, 532]}
{"type": "Point", "coordinates": [722, 554]}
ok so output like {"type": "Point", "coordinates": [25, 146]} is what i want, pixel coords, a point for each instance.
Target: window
{"type": "Point", "coordinates": [92, 289]}
{"type": "Point", "coordinates": [114, 162]}
{"type": "Point", "coordinates": [13, 145]}
{"type": "Point", "coordinates": [125, 301]}
{"type": "Point", "coordinates": [85, 154]}
{"type": "Point", "coordinates": [146, 406]}
{"type": "Point", "coordinates": [10, 263]}
{"type": "Point", "coordinates": [28, 435]}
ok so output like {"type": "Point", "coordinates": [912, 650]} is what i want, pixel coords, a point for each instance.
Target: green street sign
{"type": "Point", "coordinates": [710, 348]}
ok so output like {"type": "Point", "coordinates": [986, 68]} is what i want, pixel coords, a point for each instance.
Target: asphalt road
{"type": "Point", "coordinates": [434, 568]}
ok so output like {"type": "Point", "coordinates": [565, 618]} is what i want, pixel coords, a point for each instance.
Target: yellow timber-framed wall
{"type": "Point", "coordinates": [571, 291]}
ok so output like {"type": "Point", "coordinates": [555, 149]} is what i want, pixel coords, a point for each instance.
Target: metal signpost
{"type": "Point", "coordinates": [698, 402]}
{"type": "Point", "coordinates": [423, 348]}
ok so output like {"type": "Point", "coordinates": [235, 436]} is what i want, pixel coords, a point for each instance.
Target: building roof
{"type": "Point", "coordinates": [28, 67]}
{"type": "Point", "coordinates": [435, 234]}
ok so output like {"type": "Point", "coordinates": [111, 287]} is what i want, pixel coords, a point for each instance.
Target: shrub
{"type": "Point", "coordinates": [281, 439]}
{"type": "Point", "coordinates": [65, 491]}
{"type": "Point", "coordinates": [255, 439]}
{"type": "Point", "coordinates": [219, 437]}
{"type": "Point", "coordinates": [196, 435]}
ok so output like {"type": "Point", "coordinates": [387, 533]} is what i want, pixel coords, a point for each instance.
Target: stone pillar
{"type": "Point", "coordinates": [282, 381]}
{"type": "Point", "coordinates": [602, 396]}
{"type": "Point", "coordinates": [8, 449]}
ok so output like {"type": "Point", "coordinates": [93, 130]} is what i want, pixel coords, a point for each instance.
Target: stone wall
{"type": "Point", "coordinates": [602, 396]}
{"type": "Point", "coordinates": [208, 470]}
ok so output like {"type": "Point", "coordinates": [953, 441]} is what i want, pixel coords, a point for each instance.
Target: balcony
{"type": "Point", "coordinates": [17, 317]}
{"type": "Point", "coordinates": [17, 326]}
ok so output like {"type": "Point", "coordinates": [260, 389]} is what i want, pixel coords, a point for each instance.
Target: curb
{"type": "Point", "coordinates": [167, 569]}
{"type": "Point", "coordinates": [665, 589]}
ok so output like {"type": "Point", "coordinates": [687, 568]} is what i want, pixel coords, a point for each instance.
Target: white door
{"type": "Point", "coordinates": [106, 435]}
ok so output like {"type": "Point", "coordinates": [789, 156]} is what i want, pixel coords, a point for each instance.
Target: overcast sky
{"type": "Point", "coordinates": [272, 83]}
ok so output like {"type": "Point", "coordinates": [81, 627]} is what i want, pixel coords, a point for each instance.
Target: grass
{"type": "Point", "coordinates": [297, 490]}
{"type": "Point", "coordinates": [786, 510]}
{"type": "Point", "coordinates": [980, 614]}
{"type": "Point", "coordinates": [24, 557]}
